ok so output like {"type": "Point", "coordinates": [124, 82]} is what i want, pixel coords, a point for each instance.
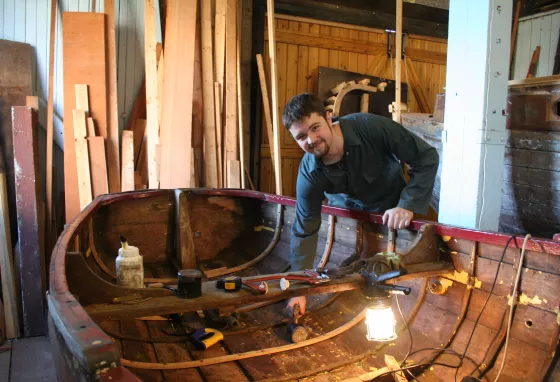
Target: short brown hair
{"type": "Point", "coordinates": [300, 107]}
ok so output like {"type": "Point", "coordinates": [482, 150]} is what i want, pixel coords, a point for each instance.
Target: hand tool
{"type": "Point", "coordinates": [206, 337]}
{"type": "Point", "coordinates": [234, 283]}
{"type": "Point", "coordinates": [297, 331]}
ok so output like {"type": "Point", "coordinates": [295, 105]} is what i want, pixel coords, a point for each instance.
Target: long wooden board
{"type": "Point", "coordinates": [98, 166]}
{"type": "Point", "coordinates": [31, 264]}
{"type": "Point", "coordinates": [152, 127]}
{"type": "Point", "coordinates": [84, 63]}
{"type": "Point", "coordinates": [82, 158]}
{"type": "Point", "coordinates": [112, 108]}
{"type": "Point", "coordinates": [230, 100]}
{"type": "Point", "coordinates": [127, 152]}
{"type": "Point", "coordinates": [176, 127]}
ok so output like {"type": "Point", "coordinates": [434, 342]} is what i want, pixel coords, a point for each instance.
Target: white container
{"type": "Point", "coordinates": [130, 267]}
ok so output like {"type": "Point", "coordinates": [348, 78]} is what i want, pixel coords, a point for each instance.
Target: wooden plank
{"type": "Point", "coordinates": [84, 62]}
{"type": "Point", "coordinates": [210, 155]}
{"type": "Point", "coordinates": [98, 166]}
{"type": "Point", "coordinates": [139, 133]}
{"type": "Point", "coordinates": [127, 170]}
{"type": "Point", "coordinates": [218, 126]}
{"type": "Point", "coordinates": [240, 132]}
{"type": "Point", "coordinates": [152, 127]}
{"type": "Point", "coordinates": [138, 108]}
{"type": "Point", "coordinates": [91, 127]}
{"type": "Point", "coordinates": [416, 86]}
{"type": "Point", "coordinates": [398, 75]}
{"type": "Point", "coordinates": [31, 265]}
{"type": "Point", "coordinates": [220, 44]}
{"type": "Point", "coordinates": [82, 102]}
{"type": "Point", "coordinates": [348, 45]}
{"type": "Point", "coordinates": [266, 105]}
{"type": "Point", "coordinates": [6, 260]}
{"type": "Point", "coordinates": [82, 158]}
{"type": "Point", "coordinates": [234, 174]}
{"type": "Point", "coordinates": [230, 100]}
{"type": "Point", "coordinates": [160, 79]}
{"type": "Point", "coordinates": [176, 128]}
{"type": "Point", "coordinates": [274, 92]}
{"type": "Point", "coordinates": [112, 108]}
{"type": "Point", "coordinates": [185, 251]}
{"type": "Point", "coordinates": [533, 64]}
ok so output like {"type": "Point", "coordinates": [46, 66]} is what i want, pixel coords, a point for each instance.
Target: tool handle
{"type": "Point", "coordinates": [391, 240]}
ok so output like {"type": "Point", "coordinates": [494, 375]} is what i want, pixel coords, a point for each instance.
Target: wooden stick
{"type": "Point", "coordinates": [82, 102]}
{"type": "Point", "coordinates": [274, 92]}
{"type": "Point", "coordinates": [91, 128]}
{"type": "Point", "coordinates": [209, 121]}
{"type": "Point", "coordinates": [127, 152]}
{"type": "Point", "coordinates": [398, 54]}
{"type": "Point", "coordinates": [6, 260]}
{"type": "Point", "coordinates": [112, 107]}
{"type": "Point", "coordinates": [218, 126]}
{"type": "Point", "coordinates": [230, 102]}
{"type": "Point", "coordinates": [249, 179]}
{"type": "Point", "coordinates": [392, 365]}
{"type": "Point", "coordinates": [51, 233]}
{"type": "Point", "coordinates": [152, 127]}
{"type": "Point", "coordinates": [98, 166]}
{"type": "Point", "coordinates": [364, 103]}
{"type": "Point", "coordinates": [82, 158]}
{"type": "Point", "coordinates": [328, 246]}
{"type": "Point", "coordinates": [534, 60]}
{"type": "Point", "coordinates": [266, 109]}
{"type": "Point", "coordinates": [246, 355]}
{"type": "Point", "coordinates": [277, 231]}
{"type": "Point", "coordinates": [240, 95]}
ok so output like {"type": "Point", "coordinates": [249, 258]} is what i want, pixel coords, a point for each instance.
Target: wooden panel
{"type": "Point", "coordinates": [152, 127]}
{"type": "Point", "coordinates": [98, 166]}
{"type": "Point", "coordinates": [176, 127]}
{"type": "Point", "coordinates": [82, 158]}
{"type": "Point", "coordinates": [230, 100]}
{"type": "Point", "coordinates": [31, 264]}
{"type": "Point", "coordinates": [127, 152]}
{"type": "Point", "coordinates": [84, 63]}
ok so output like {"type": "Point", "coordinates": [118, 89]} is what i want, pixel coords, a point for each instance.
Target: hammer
{"type": "Point", "coordinates": [297, 331]}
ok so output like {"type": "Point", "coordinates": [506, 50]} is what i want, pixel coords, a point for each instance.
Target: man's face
{"type": "Point", "coordinates": [313, 134]}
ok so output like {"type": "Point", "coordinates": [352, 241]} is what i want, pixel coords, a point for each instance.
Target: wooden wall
{"type": "Point", "coordinates": [302, 45]}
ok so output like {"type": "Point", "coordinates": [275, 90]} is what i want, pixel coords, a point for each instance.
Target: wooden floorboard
{"type": "Point", "coordinates": [32, 360]}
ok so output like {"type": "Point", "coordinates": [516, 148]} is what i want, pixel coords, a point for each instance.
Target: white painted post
{"type": "Point", "coordinates": [475, 104]}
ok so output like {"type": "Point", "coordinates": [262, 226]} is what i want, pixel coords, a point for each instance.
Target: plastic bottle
{"type": "Point", "coordinates": [130, 267]}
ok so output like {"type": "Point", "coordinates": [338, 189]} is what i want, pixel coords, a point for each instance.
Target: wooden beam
{"type": "Point", "coordinates": [127, 152]}
{"type": "Point", "coordinates": [84, 51]}
{"type": "Point", "coordinates": [51, 234]}
{"type": "Point", "coordinates": [6, 260]}
{"type": "Point", "coordinates": [274, 92]}
{"type": "Point", "coordinates": [230, 102]}
{"type": "Point", "coordinates": [364, 103]}
{"type": "Point", "coordinates": [240, 95]}
{"type": "Point", "coordinates": [234, 175]}
{"type": "Point", "coordinates": [152, 127]}
{"type": "Point", "coordinates": [218, 126]}
{"type": "Point", "coordinates": [209, 127]}
{"type": "Point", "coordinates": [82, 157]}
{"type": "Point", "coordinates": [112, 108]}
{"type": "Point", "coordinates": [31, 264]}
{"type": "Point", "coordinates": [184, 246]}
{"type": "Point", "coordinates": [266, 108]}
{"type": "Point", "coordinates": [533, 65]}
{"type": "Point", "coordinates": [348, 45]}
{"type": "Point", "coordinates": [98, 166]}
{"type": "Point", "coordinates": [398, 54]}
{"type": "Point", "coordinates": [176, 127]}
{"type": "Point", "coordinates": [220, 44]}
{"type": "Point", "coordinates": [393, 365]}
{"type": "Point", "coordinates": [514, 33]}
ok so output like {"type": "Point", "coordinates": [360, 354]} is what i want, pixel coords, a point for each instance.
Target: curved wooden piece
{"type": "Point", "coordinates": [249, 354]}
{"type": "Point", "coordinates": [347, 89]}
{"type": "Point", "coordinates": [277, 231]}
{"type": "Point", "coordinates": [329, 244]}
{"type": "Point", "coordinates": [425, 247]}
{"type": "Point", "coordinates": [110, 272]}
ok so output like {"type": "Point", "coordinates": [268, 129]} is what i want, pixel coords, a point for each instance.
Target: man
{"type": "Point", "coordinates": [354, 162]}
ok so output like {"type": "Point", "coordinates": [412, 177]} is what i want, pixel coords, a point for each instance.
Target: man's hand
{"type": "Point", "coordinates": [397, 218]}
{"type": "Point", "coordinates": [301, 301]}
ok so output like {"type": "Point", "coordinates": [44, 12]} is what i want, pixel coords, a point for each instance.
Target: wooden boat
{"type": "Point", "coordinates": [460, 282]}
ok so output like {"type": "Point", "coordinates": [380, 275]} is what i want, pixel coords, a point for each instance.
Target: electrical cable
{"type": "Point", "coordinates": [486, 301]}
{"type": "Point", "coordinates": [513, 302]}
{"type": "Point", "coordinates": [410, 334]}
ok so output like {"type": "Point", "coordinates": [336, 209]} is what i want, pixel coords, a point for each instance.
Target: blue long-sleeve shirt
{"type": "Point", "coordinates": [370, 178]}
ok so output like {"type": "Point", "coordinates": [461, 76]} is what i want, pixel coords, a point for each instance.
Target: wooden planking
{"type": "Point", "coordinates": [220, 43]}
{"type": "Point", "coordinates": [176, 127]}
{"type": "Point", "coordinates": [234, 173]}
{"type": "Point", "coordinates": [127, 152]}
{"type": "Point", "coordinates": [82, 102]}
{"type": "Point", "coordinates": [98, 166]}
{"type": "Point", "coordinates": [152, 127]}
{"type": "Point", "coordinates": [91, 127]}
{"type": "Point", "coordinates": [230, 87]}
{"type": "Point", "coordinates": [31, 264]}
{"type": "Point", "coordinates": [112, 134]}
{"type": "Point", "coordinates": [139, 134]}
{"type": "Point", "coordinates": [82, 157]}
{"type": "Point", "coordinates": [211, 161]}
{"type": "Point", "coordinates": [309, 57]}
{"type": "Point", "coordinates": [84, 63]}
{"type": "Point", "coordinates": [218, 126]}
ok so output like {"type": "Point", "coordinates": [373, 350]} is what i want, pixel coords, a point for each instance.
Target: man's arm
{"type": "Point", "coordinates": [422, 158]}
{"type": "Point", "coordinates": [309, 195]}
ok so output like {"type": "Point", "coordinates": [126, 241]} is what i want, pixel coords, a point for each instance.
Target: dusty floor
{"type": "Point", "coordinates": [29, 360]}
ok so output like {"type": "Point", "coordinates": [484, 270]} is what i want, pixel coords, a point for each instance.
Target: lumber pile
{"type": "Point", "coordinates": [185, 127]}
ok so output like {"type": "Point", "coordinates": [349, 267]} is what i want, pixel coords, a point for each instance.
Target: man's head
{"type": "Point", "coordinates": [305, 118]}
